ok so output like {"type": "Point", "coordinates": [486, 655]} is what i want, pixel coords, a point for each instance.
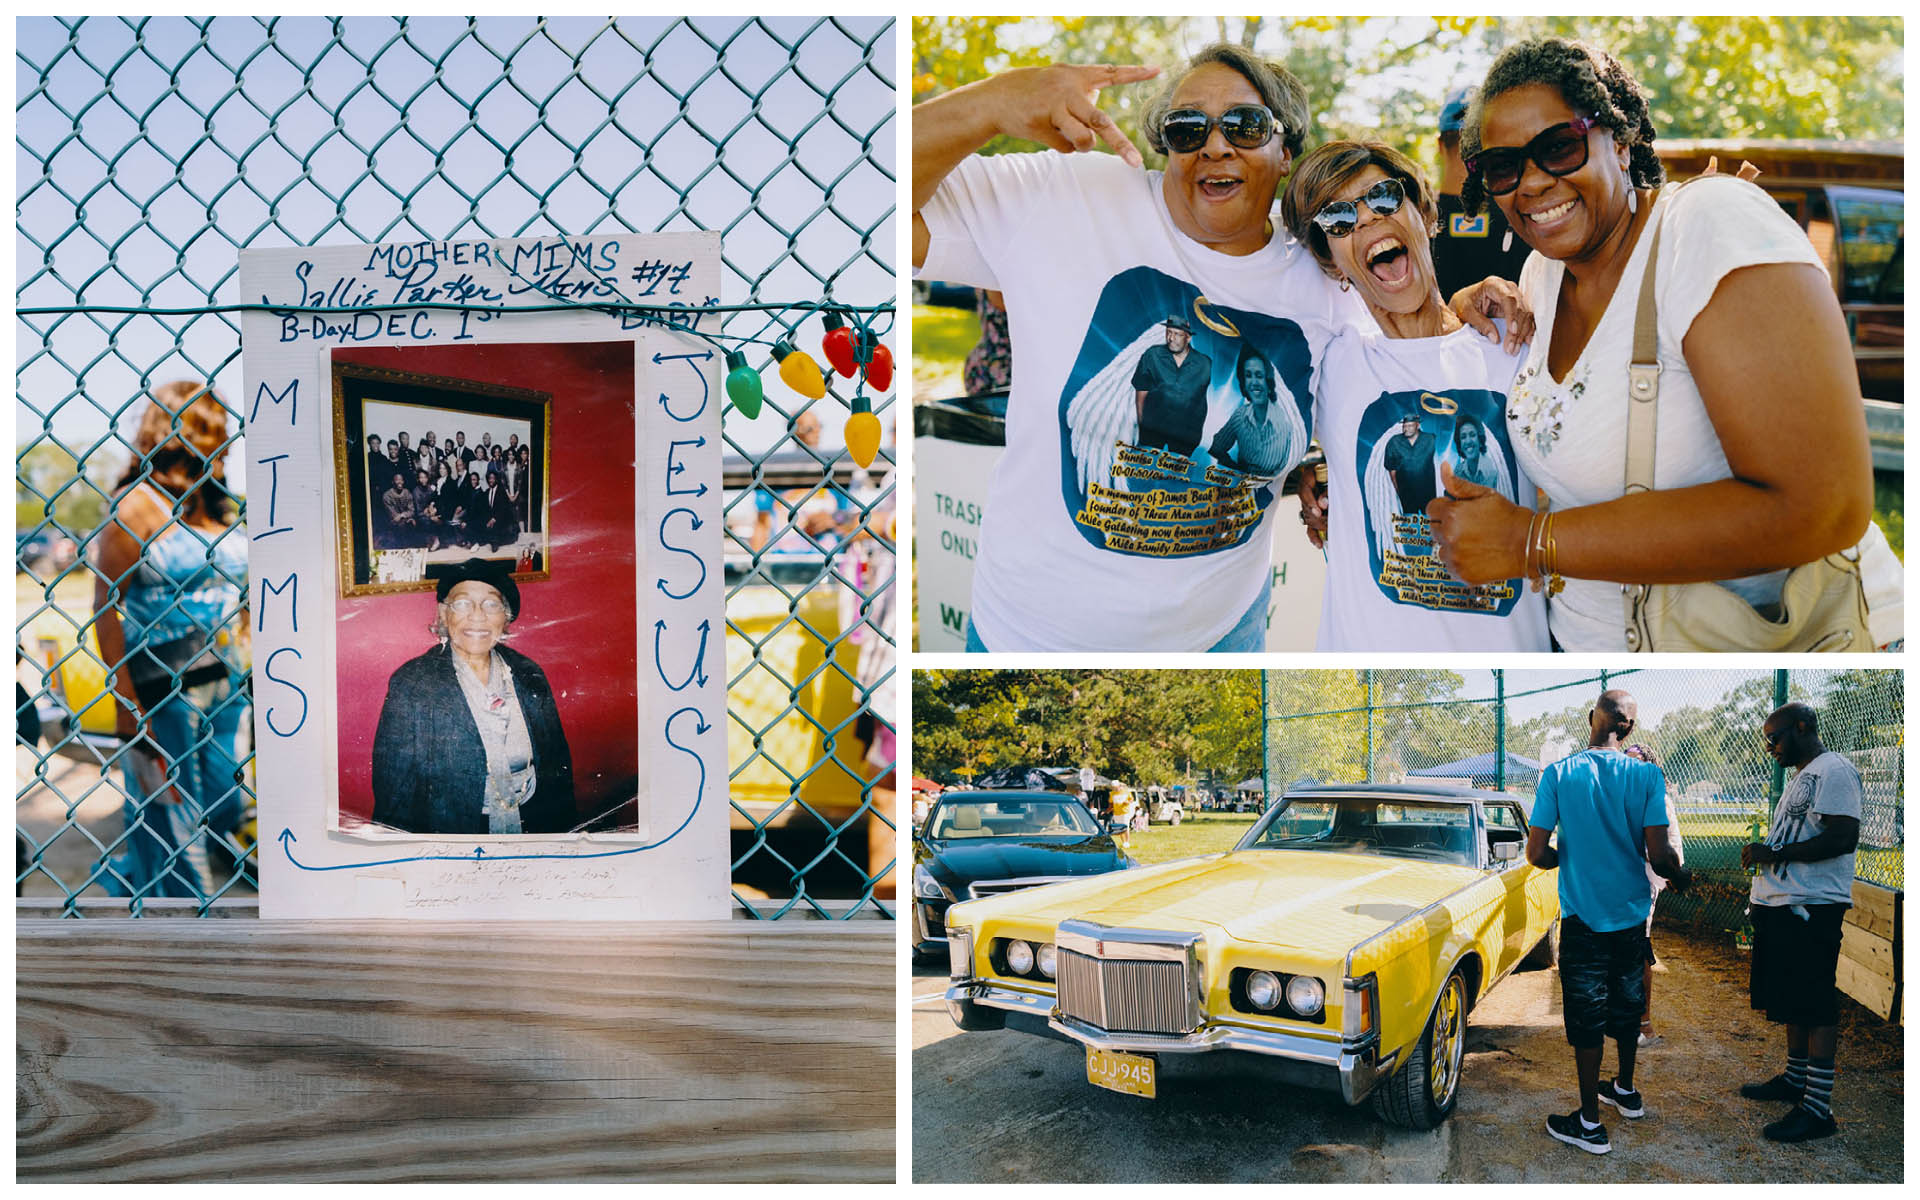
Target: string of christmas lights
{"type": "Point", "coordinates": [849, 350]}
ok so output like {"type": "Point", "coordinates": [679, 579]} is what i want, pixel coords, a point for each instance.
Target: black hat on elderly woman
{"type": "Point", "coordinates": [479, 570]}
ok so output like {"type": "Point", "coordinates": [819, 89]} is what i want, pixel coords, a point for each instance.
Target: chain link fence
{"type": "Point", "coordinates": [150, 150]}
{"type": "Point", "coordinates": [1496, 729]}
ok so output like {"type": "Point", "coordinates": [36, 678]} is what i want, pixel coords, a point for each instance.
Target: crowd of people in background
{"type": "Point", "coordinates": [459, 492]}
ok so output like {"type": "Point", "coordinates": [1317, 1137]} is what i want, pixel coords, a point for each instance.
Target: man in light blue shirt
{"type": "Point", "coordinates": [1611, 812]}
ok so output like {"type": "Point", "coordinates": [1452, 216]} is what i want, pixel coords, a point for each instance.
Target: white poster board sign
{"type": "Point", "coordinates": [950, 496]}
{"type": "Point", "coordinates": [486, 588]}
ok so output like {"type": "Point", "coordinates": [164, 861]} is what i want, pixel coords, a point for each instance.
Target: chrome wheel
{"type": "Point", "coordinates": [1448, 1042]}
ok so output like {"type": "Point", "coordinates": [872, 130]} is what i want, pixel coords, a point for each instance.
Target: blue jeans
{"type": "Point", "coordinates": [1248, 635]}
{"type": "Point", "coordinates": [165, 851]}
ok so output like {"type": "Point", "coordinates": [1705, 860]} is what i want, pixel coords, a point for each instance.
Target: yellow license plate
{"type": "Point", "coordinates": [1118, 1072]}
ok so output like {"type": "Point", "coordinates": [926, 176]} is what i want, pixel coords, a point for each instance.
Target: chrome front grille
{"type": "Point", "coordinates": [1127, 995]}
{"type": "Point", "coordinates": [999, 887]}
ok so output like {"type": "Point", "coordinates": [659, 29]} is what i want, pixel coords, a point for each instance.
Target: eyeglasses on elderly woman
{"type": "Point", "coordinates": [1338, 218]}
{"type": "Point", "coordinates": [1248, 126]}
{"type": "Point", "coordinates": [1558, 150]}
{"type": "Point", "coordinates": [463, 605]}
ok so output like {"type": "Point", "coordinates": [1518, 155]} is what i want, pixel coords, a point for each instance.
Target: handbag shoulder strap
{"type": "Point", "coordinates": [1643, 371]}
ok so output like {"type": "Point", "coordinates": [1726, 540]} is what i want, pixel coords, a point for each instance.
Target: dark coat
{"type": "Point", "coordinates": [430, 767]}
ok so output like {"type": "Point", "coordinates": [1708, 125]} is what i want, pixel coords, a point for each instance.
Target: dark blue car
{"type": "Point", "coordinates": [985, 843]}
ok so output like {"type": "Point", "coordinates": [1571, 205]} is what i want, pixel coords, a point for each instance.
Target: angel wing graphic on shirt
{"type": "Point", "coordinates": [1382, 499]}
{"type": "Point", "coordinates": [1104, 411]}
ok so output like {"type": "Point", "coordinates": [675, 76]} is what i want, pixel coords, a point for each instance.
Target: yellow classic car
{"type": "Point", "coordinates": [1346, 937]}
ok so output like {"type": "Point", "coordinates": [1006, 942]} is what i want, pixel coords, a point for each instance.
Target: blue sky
{"type": "Point", "coordinates": [145, 206]}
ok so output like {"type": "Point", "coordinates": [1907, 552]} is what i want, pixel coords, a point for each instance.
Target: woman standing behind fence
{"type": "Point", "coordinates": [170, 612]}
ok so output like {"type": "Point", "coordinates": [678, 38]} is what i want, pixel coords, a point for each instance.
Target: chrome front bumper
{"type": "Point", "coordinates": [1325, 1063]}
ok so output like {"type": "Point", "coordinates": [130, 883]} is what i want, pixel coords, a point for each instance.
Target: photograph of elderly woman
{"type": "Point", "coordinates": [498, 701]}
{"type": "Point", "coordinates": [1270, 333]}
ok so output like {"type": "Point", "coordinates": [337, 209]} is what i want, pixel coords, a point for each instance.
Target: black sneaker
{"type": "Point", "coordinates": [1777, 1089]}
{"type": "Point", "coordinates": [1626, 1100]}
{"type": "Point", "coordinates": [1571, 1130]}
{"type": "Point", "coordinates": [1800, 1126]}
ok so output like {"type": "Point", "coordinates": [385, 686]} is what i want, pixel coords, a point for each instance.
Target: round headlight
{"type": "Point", "coordinates": [1263, 989]}
{"type": "Point", "coordinates": [1019, 957]}
{"type": "Point", "coordinates": [1046, 959]}
{"type": "Point", "coordinates": [1305, 996]}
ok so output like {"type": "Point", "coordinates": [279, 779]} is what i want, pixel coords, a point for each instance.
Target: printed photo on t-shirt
{"type": "Point", "coordinates": [1178, 418]}
{"type": "Point", "coordinates": [1404, 438]}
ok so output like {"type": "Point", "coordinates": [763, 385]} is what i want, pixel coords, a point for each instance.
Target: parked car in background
{"type": "Point", "coordinates": [1345, 939]}
{"type": "Point", "coordinates": [68, 681]}
{"type": "Point", "coordinates": [989, 843]}
{"type": "Point", "coordinates": [1163, 807]}
{"type": "Point", "coordinates": [1850, 198]}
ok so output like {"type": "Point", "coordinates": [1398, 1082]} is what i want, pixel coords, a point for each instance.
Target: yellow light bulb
{"type": "Point", "coordinates": [801, 373]}
{"type": "Point", "coordinates": [862, 433]}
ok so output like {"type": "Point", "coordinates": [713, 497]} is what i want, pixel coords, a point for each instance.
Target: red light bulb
{"type": "Point", "coordinates": [880, 370]}
{"type": "Point", "coordinates": [837, 345]}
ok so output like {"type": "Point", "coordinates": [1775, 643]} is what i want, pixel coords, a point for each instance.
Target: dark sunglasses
{"type": "Point", "coordinates": [1773, 739]}
{"type": "Point", "coordinates": [1248, 126]}
{"type": "Point", "coordinates": [1339, 218]}
{"type": "Point", "coordinates": [1558, 150]}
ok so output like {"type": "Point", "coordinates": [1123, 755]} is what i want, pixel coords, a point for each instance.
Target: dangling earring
{"type": "Point", "coordinates": [1506, 242]}
{"type": "Point", "coordinates": [1343, 285]}
{"type": "Point", "coordinates": [1633, 201]}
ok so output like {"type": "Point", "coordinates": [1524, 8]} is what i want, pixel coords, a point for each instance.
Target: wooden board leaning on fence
{"type": "Point", "coordinates": [1871, 947]}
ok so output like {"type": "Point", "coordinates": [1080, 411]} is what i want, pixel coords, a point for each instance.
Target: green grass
{"type": "Point", "coordinates": [1200, 833]}
{"type": "Point", "coordinates": [944, 335]}
{"type": "Point", "coordinates": [1889, 509]}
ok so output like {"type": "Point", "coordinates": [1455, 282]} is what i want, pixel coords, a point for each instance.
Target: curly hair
{"type": "Point", "coordinates": [185, 424]}
{"type": "Point", "coordinates": [1590, 80]}
{"type": "Point", "coordinates": [1283, 94]}
{"type": "Point", "coordinates": [1324, 172]}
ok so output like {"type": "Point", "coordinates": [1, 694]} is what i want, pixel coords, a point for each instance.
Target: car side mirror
{"type": "Point", "coordinates": [1506, 851]}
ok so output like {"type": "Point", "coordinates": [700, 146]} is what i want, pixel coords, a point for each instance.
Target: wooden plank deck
{"type": "Point", "coordinates": [389, 1051]}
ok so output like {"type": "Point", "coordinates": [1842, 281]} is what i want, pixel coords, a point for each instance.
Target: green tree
{"type": "Point", "coordinates": [51, 488]}
{"type": "Point", "coordinates": [950, 51]}
{"type": "Point", "coordinates": [1772, 77]}
{"type": "Point", "coordinates": [1861, 708]}
{"type": "Point", "coordinates": [1384, 78]}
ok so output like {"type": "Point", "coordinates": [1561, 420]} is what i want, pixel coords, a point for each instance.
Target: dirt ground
{"type": "Point", "coordinates": [1009, 1107]}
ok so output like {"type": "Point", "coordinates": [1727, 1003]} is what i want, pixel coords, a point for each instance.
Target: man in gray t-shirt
{"type": "Point", "coordinates": [1802, 888]}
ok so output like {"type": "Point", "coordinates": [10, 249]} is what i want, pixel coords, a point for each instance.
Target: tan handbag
{"type": "Point", "coordinates": [1823, 605]}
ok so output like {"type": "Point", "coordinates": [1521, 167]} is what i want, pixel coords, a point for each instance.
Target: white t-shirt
{"type": "Point", "coordinates": [1826, 787]}
{"type": "Point", "coordinates": [1386, 590]}
{"type": "Point", "coordinates": [1107, 528]}
{"type": "Point", "coordinates": [1571, 435]}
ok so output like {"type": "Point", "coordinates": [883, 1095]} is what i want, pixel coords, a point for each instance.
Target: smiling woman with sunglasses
{"type": "Point", "coordinates": [1400, 397]}
{"type": "Point", "coordinates": [1129, 509]}
{"type": "Point", "coordinates": [1753, 446]}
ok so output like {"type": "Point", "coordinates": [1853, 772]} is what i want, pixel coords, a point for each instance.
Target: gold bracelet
{"type": "Point", "coordinates": [1528, 567]}
{"type": "Point", "coordinates": [1550, 558]}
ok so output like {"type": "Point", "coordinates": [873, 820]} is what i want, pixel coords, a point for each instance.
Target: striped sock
{"type": "Point", "coordinates": [1797, 1070]}
{"type": "Point", "coordinates": [1819, 1097]}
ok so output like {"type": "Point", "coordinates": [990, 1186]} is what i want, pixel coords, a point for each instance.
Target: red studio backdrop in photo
{"type": "Point", "coordinates": [579, 623]}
